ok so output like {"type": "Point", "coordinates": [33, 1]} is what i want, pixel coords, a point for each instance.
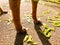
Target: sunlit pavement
{"type": "Point", "coordinates": [8, 33]}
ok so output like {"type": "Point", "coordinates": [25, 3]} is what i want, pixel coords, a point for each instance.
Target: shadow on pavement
{"type": "Point", "coordinates": [42, 37]}
{"type": "Point", "coordinates": [19, 39]}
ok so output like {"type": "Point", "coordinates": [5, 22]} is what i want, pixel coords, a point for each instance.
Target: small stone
{"type": "Point", "coordinates": [39, 19]}
{"type": "Point", "coordinates": [28, 20]}
{"type": "Point", "coordinates": [26, 28]}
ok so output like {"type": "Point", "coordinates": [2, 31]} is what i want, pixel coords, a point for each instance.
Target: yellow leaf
{"type": "Point", "coordinates": [26, 38]}
{"type": "Point", "coordinates": [29, 39]}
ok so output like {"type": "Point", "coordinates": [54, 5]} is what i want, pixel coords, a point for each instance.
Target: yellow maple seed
{"type": "Point", "coordinates": [10, 21]}
{"type": "Point", "coordinates": [46, 12]}
{"type": "Point", "coordinates": [47, 31]}
{"type": "Point", "coordinates": [57, 16]}
{"type": "Point", "coordinates": [56, 23]}
{"type": "Point", "coordinates": [45, 25]}
{"type": "Point", "coordinates": [49, 34]}
{"type": "Point", "coordinates": [29, 39]}
{"type": "Point", "coordinates": [33, 43]}
{"type": "Point", "coordinates": [26, 38]}
{"type": "Point", "coordinates": [52, 29]}
{"type": "Point", "coordinates": [49, 18]}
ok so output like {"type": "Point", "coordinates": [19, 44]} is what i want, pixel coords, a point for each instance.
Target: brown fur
{"type": "Point", "coordinates": [15, 8]}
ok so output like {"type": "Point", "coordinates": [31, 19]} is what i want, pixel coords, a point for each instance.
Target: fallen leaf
{"type": "Point", "coordinates": [49, 34]}
{"type": "Point", "coordinates": [56, 23]}
{"type": "Point", "coordinates": [26, 38]}
{"type": "Point", "coordinates": [51, 19]}
{"type": "Point", "coordinates": [28, 17]}
{"type": "Point", "coordinates": [34, 43]}
{"type": "Point", "coordinates": [10, 20]}
{"type": "Point", "coordinates": [29, 39]}
{"type": "Point", "coordinates": [45, 25]}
